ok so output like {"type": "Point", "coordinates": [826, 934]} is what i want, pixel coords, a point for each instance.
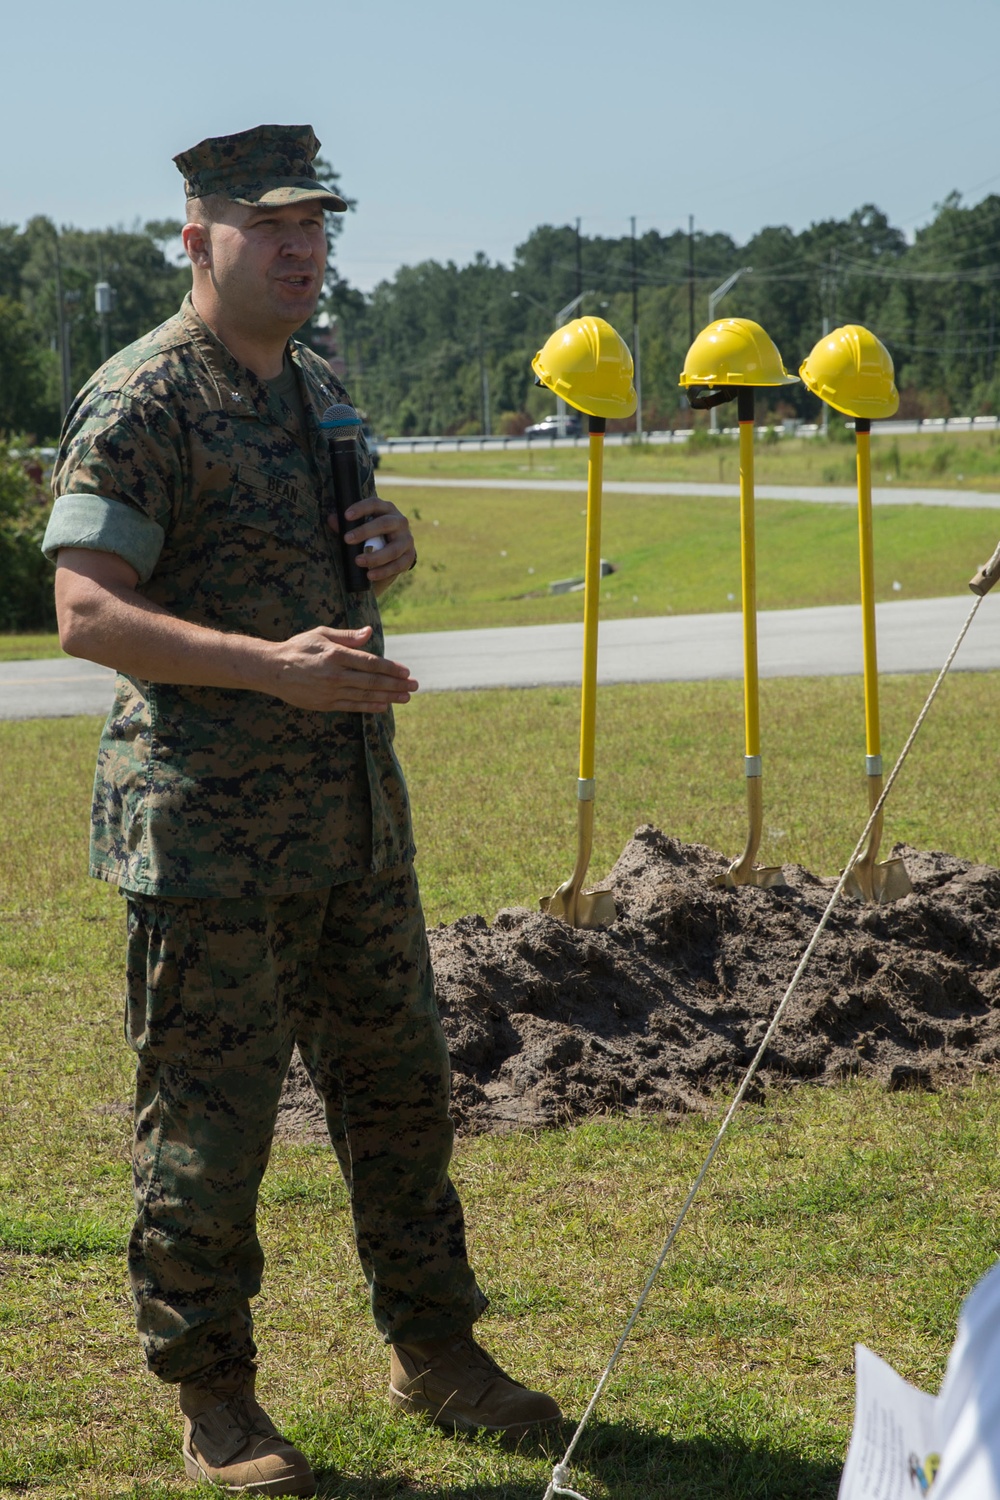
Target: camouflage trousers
{"type": "Point", "coordinates": [218, 993]}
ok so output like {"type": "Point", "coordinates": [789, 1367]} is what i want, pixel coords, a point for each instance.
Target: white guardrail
{"type": "Point", "coordinates": [948, 425]}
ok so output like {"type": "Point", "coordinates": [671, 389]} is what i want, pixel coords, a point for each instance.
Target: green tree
{"type": "Point", "coordinates": [944, 308]}
{"type": "Point", "coordinates": [147, 287]}
{"type": "Point", "coordinates": [25, 375]}
{"type": "Point", "coordinates": [13, 253]}
{"type": "Point", "coordinates": [26, 601]}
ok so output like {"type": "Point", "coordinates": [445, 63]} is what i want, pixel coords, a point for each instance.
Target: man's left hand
{"type": "Point", "coordinates": [379, 517]}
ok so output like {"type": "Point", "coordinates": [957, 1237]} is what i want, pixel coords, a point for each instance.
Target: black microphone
{"type": "Point", "coordinates": [343, 425]}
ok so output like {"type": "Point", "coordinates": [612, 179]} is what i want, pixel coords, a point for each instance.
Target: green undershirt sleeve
{"type": "Point", "coordinates": [102, 525]}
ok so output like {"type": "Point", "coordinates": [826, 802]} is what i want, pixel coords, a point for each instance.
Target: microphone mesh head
{"type": "Point", "coordinates": [341, 419]}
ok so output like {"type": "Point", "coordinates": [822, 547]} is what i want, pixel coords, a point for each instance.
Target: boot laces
{"type": "Point", "coordinates": [246, 1418]}
{"type": "Point", "coordinates": [244, 1409]}
{"type": "Point", "coordinates": [479, 1356]}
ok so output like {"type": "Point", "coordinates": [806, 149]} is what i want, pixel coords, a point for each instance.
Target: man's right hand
{"type": "Point", "coordinates": [102, 618]}
{"type": "Point", "coordinates": [329, 671]}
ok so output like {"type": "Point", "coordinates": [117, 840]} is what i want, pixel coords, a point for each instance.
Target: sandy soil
{"type": "Point", "coordinates": [547, 1024]}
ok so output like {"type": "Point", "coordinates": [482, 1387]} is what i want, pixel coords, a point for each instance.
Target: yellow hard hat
{"type": "Point", "coordinates": [589, 365]}
{"type": "Point", "coordinates": [735, 351]}
{"type": "Point", "coordinates": [851, 370]}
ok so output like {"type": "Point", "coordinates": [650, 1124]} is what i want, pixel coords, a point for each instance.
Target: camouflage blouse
{"type": "Point", "coordinates": [183, 462]}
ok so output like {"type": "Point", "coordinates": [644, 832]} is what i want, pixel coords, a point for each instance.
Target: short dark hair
{"type": "Point", "coordinates": [208, 210]}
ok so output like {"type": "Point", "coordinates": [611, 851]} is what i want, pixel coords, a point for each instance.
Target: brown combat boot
{"type": "Point", "coordinates": [457, 1384]}
{"type": "Point", "coordinates": [230, 1441]}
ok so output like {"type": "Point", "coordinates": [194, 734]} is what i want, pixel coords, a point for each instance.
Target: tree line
{"type": "Point", "coordinates": [426, 349]}
{"type": "Point", "coordinates": [443, 348]}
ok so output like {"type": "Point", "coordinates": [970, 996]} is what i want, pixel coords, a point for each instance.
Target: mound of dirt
{"type": "Point", "coordinates": [547, 1024]}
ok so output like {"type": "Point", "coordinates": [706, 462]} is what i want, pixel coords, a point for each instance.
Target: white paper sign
{"type": "Point", "coordinates": [968, 1410]}
{"type": "Point", "coordinates": [893, 1453]}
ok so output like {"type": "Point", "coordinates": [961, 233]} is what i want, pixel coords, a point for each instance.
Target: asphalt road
{"type": "Point", "coordinates": [54, 689]}
{"type": "Point", "coordinates": [914, 635]}
{"type": "Point", "coordinates": [819, 494]}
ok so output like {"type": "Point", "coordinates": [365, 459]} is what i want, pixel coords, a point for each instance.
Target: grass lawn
{"type": "Point", "coordinates": [832, 1214]}
{"type": "Point", "coordinates": [27, 647]}
{"type": "Point", "coordinates": [487, 557]}
{"type": "Point", "coordinates": [971, 461]}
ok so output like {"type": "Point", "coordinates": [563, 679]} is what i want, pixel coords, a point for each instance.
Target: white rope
{"type": "Point", "coordinates": [559, 1474]}
{"type": "Point", "coordinates": [561, 1470]}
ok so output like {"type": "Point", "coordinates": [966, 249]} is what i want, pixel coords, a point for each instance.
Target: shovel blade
{"type": "Point", "coordinates": [889, 882]}
{"type": "Point", "coordinates": [596, 909]}
{"type": "Point", "coordinates": [560, 903]}
{"type": "Point", "coordinates": [767, 877]}
{"type": "Point", "coordinates": [585, 909]}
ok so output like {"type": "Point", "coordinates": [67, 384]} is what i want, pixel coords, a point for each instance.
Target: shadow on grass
{"type": "Point", "coordinates": [630, 1463]}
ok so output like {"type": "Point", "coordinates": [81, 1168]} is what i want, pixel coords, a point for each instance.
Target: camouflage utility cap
{"type": "Point", "coordinates": [271, 164]}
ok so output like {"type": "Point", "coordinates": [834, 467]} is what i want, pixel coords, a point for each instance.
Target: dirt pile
{"type": "Point", "coordinates": [547, 1024]}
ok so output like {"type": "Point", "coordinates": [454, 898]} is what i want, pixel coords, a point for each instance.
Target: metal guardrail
{"type": "Point", "coordinates": [487, 442]}
{"type": "Point", "coordinates": [482, 442]}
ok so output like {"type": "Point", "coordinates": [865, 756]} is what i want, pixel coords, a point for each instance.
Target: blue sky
{"type": "Point", "coordinates": [461, 126]}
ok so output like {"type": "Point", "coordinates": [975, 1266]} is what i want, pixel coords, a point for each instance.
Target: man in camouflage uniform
{"type": "Point", "coordinates": [249, 804]}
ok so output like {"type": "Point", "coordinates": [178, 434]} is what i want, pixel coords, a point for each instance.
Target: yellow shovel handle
{"type": "Point", "coordinates": [591, 598]}
{"type": "Point", "coordinates": [862, 438]}
{"type": "Point", "coordinates": [748, 561]}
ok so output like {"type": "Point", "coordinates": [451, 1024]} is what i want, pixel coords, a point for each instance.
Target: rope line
{"type": "Point", "coordinates": [560, 1472]}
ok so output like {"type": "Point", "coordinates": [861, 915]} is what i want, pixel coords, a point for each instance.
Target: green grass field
{"type": "Point", "coordinates": [25, 647]}
{"type": "Point", "coordinates": [831, 1215]}
{"type": "Point", "coordinates": [487, 558]}
{"type": "Point", "coordinates": [971, 460]}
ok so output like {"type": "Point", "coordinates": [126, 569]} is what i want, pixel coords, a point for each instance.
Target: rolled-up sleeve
{"type": "Point", "coordinates": [100, 524]}
{"type": "Point", "coordinates": [117, 476]}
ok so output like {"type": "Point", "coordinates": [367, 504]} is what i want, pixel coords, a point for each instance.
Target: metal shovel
{"type": "Point", "coordinates": [743, 871]}
{"type": "Point", "coordinates": [869, 880]}
{"type": "Point", "coordinates": [574, 905]}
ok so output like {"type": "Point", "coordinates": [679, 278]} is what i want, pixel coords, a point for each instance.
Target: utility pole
{"type": "Point", "coordinates": [714, 298]}
{"type": "Point", "coordinates": [359, 363]}
{"type": "Point", "coordinates": [833, 281]}
{"type": "Point", "coordinates": [578, 289]}
{"type": "Point", "coordinates": [342, 345]}
{"type": "Point", "coordinates": [993, 313]}
{"type": "Point", "coordinates": [824, 425]}
{"type": "Point", "coordinates": [62, 343]}
{"type": "Point", "coordinates": [566, 312]}
{"type": "Point", "coordinates": [104, 301]}
{"type": "Point", "coordinates": [690, 279]}
{"type": "Point", "coordinates": [561, 315]}
{"type": "Point", "coordinates": [635, 340]}
{"type": "Point", "coordinates": [484, 385]}
{"type": "Point", "coordinates": [829, 306]}
{"type": "Point", "coordinates": [102, 306]}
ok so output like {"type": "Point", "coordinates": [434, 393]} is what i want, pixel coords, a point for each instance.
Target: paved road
{"type": "Point", "coordinates": [893, 427]}
{"type": "Point", "coordinates": [53, 689]}
{"type": "Point", "coordinates": [819, 494]}
{"type": "Point", "coordinates": [914, 635]}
